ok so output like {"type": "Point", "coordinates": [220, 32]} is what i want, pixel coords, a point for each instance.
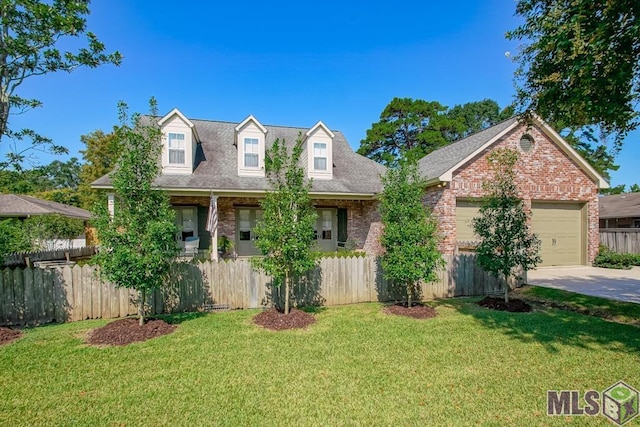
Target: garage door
{"type": "Point", "coordinates": [560, 227]}
{"type": "Point", "coordinates": [465, 212]}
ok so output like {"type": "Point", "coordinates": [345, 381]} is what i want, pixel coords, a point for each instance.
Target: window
{"type": "Point", "coordinates": [320, 156]}
{"type": "Point", "coordinates": [327, 224]}
{"type": "Point", "coordinates": [526, 143]}
{"type": "Point", "coordinates": [251, 157]}
{"type": "Point", "coordinates": [176, 148]}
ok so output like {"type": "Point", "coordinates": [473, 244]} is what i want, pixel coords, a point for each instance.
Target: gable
{"type": "Point", "coordinates": [442, 164]}
{"type": "Point", "coordinates": [545, 163]}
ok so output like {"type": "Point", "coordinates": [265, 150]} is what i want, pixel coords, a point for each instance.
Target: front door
{"type": "Point", "coordinates": [246, 219]}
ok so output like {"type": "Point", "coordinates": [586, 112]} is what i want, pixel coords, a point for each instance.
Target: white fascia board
{"type": "Point", "coordinates": [251, 119]}
{"type": "Point", "coordinates": [448, 175]}
{"type": "Point", "coordinates": [571, 152]}
{"type": "Point", "coordinates": [317, 125]}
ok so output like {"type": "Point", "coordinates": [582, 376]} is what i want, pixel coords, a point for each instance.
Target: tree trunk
{"type": "Point", "coordinates": [286, 293]}
{"type": "Point", "coordinates": [409, 295]}
{"type": "Point", "coordinates": [506, 289]}
{"type": "Point", "coordinates": [143, 298]}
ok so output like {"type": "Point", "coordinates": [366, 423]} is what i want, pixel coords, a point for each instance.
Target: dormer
{"type": "Point", "coordinates": [250, 140]}
{"type": "Point", "coordinates": [319, 149]}
{"type": "Point", "coordinates": [179, 142]}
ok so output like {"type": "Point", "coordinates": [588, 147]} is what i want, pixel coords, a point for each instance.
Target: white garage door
{"type": "Point", "coordinates": [561, 229]}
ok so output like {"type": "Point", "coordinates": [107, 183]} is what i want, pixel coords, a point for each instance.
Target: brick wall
{"type": "Point", "coordinates": [544, 173]}
{"type": "Point", "coordinates": [363, 219]}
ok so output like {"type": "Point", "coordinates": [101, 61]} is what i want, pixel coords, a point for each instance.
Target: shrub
{"type": "Point", "coordinates": [607, 258]}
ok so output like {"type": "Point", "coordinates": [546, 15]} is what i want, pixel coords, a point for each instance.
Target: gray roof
{"type": "Point", "coordinates": [14, 205]}
{"type": "Point", "coordinates": [436, 163]}
{"type": "Point", "coordinates": [217, 166]}
{"type": "Point", "coordinates": [620, 206]}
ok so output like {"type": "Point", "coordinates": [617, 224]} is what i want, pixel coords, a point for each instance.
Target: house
{"type": "Point", "coordinates": [221, 163]}
{"type": "Point", "coordinates": [22, 207]}
{"type": "Point", "coordinates": [620, 211]}
{"type": "Point", "coordinates": [557, 185]}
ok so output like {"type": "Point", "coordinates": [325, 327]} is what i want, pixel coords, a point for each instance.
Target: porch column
{"type": "Point", "coordinates": [111, 203]}
{"type": "Point", "coordinates": [212, 226]}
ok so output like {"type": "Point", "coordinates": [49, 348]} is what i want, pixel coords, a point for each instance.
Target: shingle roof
{"type": "Point", "coordinates": [13, 205]}
{"type": "Point", "coordinates": [436, 163]}
{"type": "Point", "coordinates": [217, 170]}
{"type": "Point", "coordinates": [620, 206]}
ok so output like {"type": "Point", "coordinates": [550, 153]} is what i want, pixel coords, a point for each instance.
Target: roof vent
{"type": "Point", "coordinates": [526, 143]}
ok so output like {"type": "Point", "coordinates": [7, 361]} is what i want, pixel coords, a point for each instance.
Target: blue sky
{"type": "Point", "coordinates": [287, 63]}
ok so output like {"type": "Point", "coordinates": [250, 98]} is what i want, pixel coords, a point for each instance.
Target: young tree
{"type": "Point", "coordinates": [409, 237]}
{"type": "Point", "coordinates": [138, 243]}
{"type": "Point", "coordinates": [285, 235]}
{"type": "Point", "coordinates": [579, 63]}
{"type": "Point", "coordinates": [31, 33]}
{"type": "Point", "coordinates": [506, 240]}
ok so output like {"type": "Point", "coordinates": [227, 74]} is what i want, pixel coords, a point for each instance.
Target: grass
{"type": "Point", "coordinates": [355, 366]}
{"type": "Point", "coordinates": [617, 311]}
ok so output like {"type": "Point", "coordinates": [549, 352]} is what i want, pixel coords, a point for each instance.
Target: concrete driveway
{"type": "Point", "coordinates": [622, 285]}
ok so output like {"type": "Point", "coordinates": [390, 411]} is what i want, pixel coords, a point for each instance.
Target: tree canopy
{"type": "Point", "coordinates": [31, 35]}
{"type": "Point", "coordinates": [413, 128]}
{"type": "Point", "coordinates": [408, 127]}
{"type": "Point", "coordinates": [579, 64]}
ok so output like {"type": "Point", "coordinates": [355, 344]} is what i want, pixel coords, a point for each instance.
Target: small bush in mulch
{"type": "Point", "coordinates": [8, 335]}
{"type": "Point", "coordinates": [277, 321]}
{"type": "Point", "coordinates": [127, 331]}
{"type": "Point", "coordinates": [514, 305]}
{"type": "Point", "coordinates": [417, 310]}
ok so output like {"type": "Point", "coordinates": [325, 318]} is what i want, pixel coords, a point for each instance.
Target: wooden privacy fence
{"type": "Point", "coordinates": [33, 296]}
{"type": "Point", "coordinates": [621, 240]}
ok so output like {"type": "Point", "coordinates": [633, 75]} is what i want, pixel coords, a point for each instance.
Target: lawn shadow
{"type": "Point", "coordinates": [552, 327]}
{"type": "Point", "coordinates": [178, 318]}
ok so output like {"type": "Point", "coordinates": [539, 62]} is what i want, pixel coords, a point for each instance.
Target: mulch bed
{"type": "Point", "coordinates": [8, 335]}
{"type": "Point", "coordinates": [127, 331]}
{"type": "Point", "coordinates": [417, 310]}
{"type": "Point", "coordinates": [514, 306]}
{"type": "Point", "coordinates": [277, 321]}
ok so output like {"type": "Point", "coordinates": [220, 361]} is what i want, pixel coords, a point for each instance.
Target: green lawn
{"type": "Point", "coordinates": [355, 366]}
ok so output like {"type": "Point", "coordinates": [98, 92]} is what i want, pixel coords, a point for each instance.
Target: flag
{"type": "Point", "coordinates": [212, 217]}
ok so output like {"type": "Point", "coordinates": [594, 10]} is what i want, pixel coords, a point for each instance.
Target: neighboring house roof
{"type": "Point", "coordinates": [439, 165]}
{"type": "Point", "coordinates": [620, 206]}
{"type": "Point", "coordinates": [20, 206]}
{"type": "Point", "coordinates": [217, 167]}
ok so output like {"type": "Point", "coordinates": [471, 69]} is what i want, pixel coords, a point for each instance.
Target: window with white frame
{"type": "Point", "coordinates": [176, 148]}
{"type": "Point", "coordinates": [251, 156]}
{"type": "Point", "coordinates": [320, 156]}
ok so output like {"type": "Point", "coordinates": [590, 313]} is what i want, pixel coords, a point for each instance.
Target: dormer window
{"type": "Point", "coordinates": [250, 140]}
{"type": "Point", "coordinates": [320, 156]}
{"type": "Point", "coordinates": [251, 153]}
{"type": "Point", "coordinates": [176, 148]}
{"type": "Point", "coordinates": [318, 152]}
